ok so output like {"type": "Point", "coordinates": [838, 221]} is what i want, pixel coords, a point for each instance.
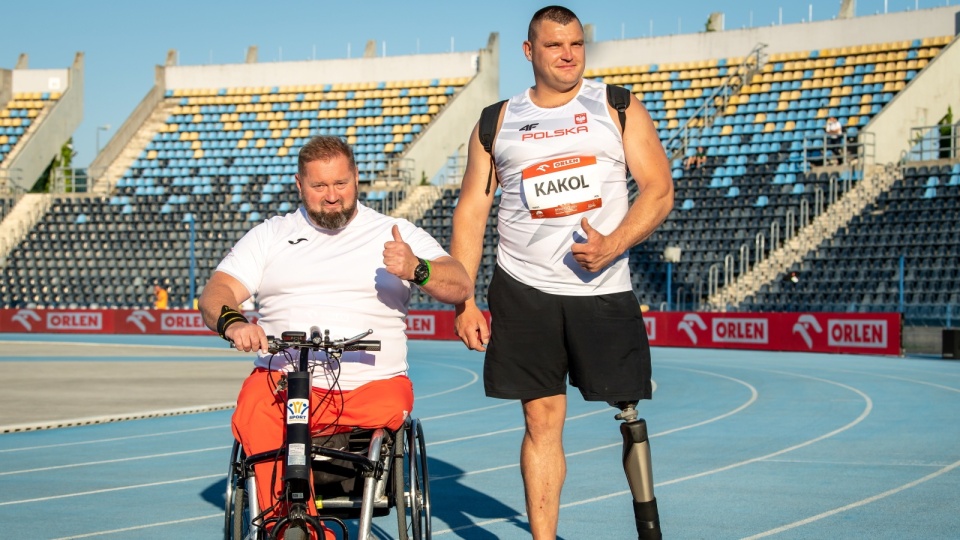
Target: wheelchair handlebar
{"type": "Point", "coordinates": [318, 342]}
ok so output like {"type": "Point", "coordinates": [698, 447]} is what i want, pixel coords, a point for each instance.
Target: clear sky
{"type": "Point", "coordinates": [123, 40]}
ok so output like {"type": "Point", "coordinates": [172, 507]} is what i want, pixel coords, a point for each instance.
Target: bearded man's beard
{"type": "Point", "coordinates": [333, 220]}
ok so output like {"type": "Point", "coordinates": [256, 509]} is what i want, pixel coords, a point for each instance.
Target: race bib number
{"type": "Point", "coordinates": [561, 187]}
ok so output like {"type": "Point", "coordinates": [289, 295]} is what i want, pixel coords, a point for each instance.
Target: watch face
{"type": "Point", "coordinates": [421, 273]}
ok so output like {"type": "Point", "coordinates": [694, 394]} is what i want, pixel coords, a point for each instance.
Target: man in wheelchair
{"type": "Point", "coordinates": [335, 264]}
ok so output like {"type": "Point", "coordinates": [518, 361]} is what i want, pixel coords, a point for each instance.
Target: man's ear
{"type": "Point", "coordinates": [528, 50]}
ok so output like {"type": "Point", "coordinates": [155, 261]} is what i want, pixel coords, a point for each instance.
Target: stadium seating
{"type": "Point", "coordinates": [19, 114]}
{"type": "Point", "coordinates": [226, 156]}
{"type": "Point", "coordinates": [859, 268]}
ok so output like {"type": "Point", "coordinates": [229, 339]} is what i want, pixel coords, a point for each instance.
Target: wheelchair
{"type": "Point", "coordinates": [360, 474]}
{"type": "Point", "coordinates": [356, 475]}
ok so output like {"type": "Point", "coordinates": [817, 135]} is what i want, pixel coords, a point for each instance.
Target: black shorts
{"type": "Point", "coordinates": [537, 339]}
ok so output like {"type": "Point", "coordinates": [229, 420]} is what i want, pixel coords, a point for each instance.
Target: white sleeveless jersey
{"type": "Point", "coordinates": [307, 276]}
{"type": "Point", "coordinates": [557, 166]}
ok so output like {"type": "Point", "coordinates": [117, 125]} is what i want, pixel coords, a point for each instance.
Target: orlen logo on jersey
{"type": "Point", "coordinates": [74, 321]}
{"type": "Point", "coordinates": [651, 325]}
{"type": "Point", "coordinates": [181, 322]}
{"type": "Point", "coordinates": [854, 333]}
{"type": "Point", "coordinates": [421, 325]}
{"type": "Point", "coordinates": [740, 331]}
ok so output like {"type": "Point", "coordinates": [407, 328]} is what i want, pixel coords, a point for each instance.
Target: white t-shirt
{"type": "Point", "coordinates": [306, 276]}
{"type": "Point", "coordinates": [557, 166]}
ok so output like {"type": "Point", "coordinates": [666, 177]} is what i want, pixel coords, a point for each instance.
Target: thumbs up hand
{"type": "Point", "coordinates": [597, 252]}
{"type": "Point", "coordinates": [398, 258]}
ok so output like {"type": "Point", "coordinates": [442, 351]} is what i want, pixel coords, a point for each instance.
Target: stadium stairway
{"type": "Point", "coordinates": [836, 216]}
{"type": "Point", "coordinates": [133, 149]}
{"type": "Point", "coordinates": [17, 223]}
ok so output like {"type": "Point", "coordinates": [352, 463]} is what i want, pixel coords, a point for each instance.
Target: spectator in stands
{"type": "Point", "coordinates": [695, 160]}
{"type": "Point", "coordinates": [338, 265]}
{"type": "Point", "coordinates": [834, 133]}
{"type": "Point", "coordinates": [561, 297]}
{"type": "Point", "coordinates": [160, 296]}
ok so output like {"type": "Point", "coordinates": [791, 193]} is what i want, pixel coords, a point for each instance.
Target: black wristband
{"type": "Point", "coordinates": [228, 316]}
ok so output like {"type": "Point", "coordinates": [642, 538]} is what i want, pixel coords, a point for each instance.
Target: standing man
{"type": "Point", "coordinates": [338, 265]}
{"type": "Point", "coordinates": [561, 298]}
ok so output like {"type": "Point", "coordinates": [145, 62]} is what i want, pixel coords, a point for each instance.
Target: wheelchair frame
{"type": "Point", "coordinates": [385, 470]}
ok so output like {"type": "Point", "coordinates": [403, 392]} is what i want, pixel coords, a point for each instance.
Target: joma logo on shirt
{"type": "Point", "coordinates": [562, 184]}
{"type": "Point", "coordinates": [555, 133]}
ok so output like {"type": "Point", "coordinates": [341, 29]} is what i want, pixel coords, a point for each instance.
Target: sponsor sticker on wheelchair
{"type": "Point", "coordinates": [298, 411]}
{"type": "Point", "coordinates": [296, 454]}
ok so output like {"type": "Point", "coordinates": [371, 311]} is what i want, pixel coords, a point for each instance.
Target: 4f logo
{"type": "Point", "coordinates": [580, 118]}
{"type": "Point", "coordinates": [528, 127]}
{"type": "Point", "coordinates": [298, 411]}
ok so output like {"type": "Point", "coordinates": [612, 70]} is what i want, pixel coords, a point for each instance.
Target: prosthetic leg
{"type": "Point", "coordinates": [637, 466]}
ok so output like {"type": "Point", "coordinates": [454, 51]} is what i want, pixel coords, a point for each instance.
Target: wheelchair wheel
{"type": "Point", "coordinates": [411, 485]}
{"type": "Point", "coordinates": [236, 510]}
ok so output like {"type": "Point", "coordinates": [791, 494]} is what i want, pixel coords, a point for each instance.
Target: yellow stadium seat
{"type": "Point", "coordinates": [760, 118]}
{"type": "Point", "coordinates": [769, 127]}
{"type": "Point", "coordinates": [789, 125]}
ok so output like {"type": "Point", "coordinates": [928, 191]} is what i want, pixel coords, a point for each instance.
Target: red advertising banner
{"type": "Point", "coordinates": [851, 333]}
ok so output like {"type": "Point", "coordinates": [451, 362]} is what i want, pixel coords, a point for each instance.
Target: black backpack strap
{"type": "Point", "coordinates": [619, 98]}
{"type": "Point", "coordinates": [488, 132]}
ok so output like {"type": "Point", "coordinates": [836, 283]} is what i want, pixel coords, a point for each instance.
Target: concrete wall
{"type": "Point", "coordinates": [125, 133]}
{"type": "Point", "coordinates": [921, 103]}
{"type": "Point", "coordinates": [899, 26]}
{"type": "Point", "coordinates": [6, 86]}
{"type": "Point", "coordinates": [47, 137]}
{"type": "Point", "coordinates": [385, 68]}
{"type": "Point", "coordinates": [453, 126]}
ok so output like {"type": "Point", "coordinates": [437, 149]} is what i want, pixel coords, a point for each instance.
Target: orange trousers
{"type": "Point", "coordinates": [258, 421]}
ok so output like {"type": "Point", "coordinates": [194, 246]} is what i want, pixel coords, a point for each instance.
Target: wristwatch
{"type": "Point", "coordinates": [421, 274]}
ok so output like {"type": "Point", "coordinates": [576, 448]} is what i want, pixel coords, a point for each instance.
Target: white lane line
{"type": "Point", "coordinates": [509, 430]}
{"type": "Point", "coordinates": [17, 428]}
{"type": "Point", "coordinates": [867, 409]}
{"type": "Point", "coordinates": [896, 378]}
{"type": "Point", "coordinates": [141, 527]}
{"type": "Point", "coordinates": [468, 411]}
{"type": "Point", "coordinates": [863, 415]}
{"type": "Point", "coordinates": [474, 377]}
{"type": "Point", "coordinates": [113, 439]}
{"type": "Point", "coordinates": [857, 504]}
{"type": "Point", "coordinates": [108, 490]}
{"type": "Point", "coordinates": [118, 460]}
{"type": "Point", "coordinates": [753, 398]}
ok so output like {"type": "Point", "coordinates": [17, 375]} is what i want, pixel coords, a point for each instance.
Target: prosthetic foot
{"type": "Point", "coordinates": [637, 466]}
